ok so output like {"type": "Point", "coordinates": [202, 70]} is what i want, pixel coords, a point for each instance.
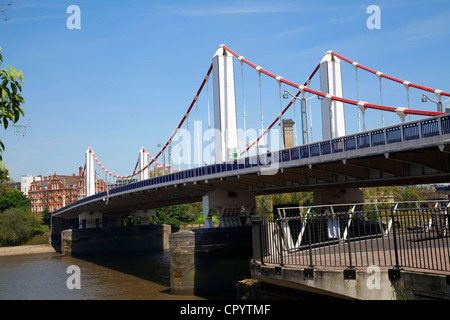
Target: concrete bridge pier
{"type": "Point", "coordinates": [229, 205]}
{"type": "Point", "coordinates": [96, 232]}
{"type": "Point", "coordinates": [198, 258]}
{"type": "Point", "coordinates": [144, 217]}
{"type": "Point", "coordinates": [115, 239]}
{"type": "Point", "coordinates": [211, 260]}
{"type": "Point", "coordinates": [90, 220]}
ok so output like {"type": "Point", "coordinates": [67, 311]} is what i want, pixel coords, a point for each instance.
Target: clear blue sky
{"type": "Point", "coordinates": [124, 80]}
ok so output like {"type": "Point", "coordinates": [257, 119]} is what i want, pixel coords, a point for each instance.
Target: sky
{"type": "Point", "coordinates": [126, 77]}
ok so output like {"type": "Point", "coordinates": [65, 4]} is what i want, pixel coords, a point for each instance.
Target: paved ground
{"type": "Point", "coordinates": [416, 252]}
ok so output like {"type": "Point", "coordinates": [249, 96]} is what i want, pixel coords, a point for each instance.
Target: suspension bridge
{"type": "Point", "coordinates": [233, 163]}
{"type": "Point", "coordinates": [224, 158]}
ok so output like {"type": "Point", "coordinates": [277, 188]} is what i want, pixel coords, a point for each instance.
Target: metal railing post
{"type": "Point", "coordinates": [311, 265]}
{"type": "Point", "coordinates": [397, 265]}
{"type": "Point", "coordinates": [349, 246]}
{"type": "Point", "coordinates": [261, 252]}
{"type": "Point", "coordinates": [280, 241]}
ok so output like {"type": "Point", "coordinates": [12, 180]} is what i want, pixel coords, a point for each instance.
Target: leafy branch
{"type": "Point", "coordinates": [3, 10]}
{"type": "Point", "coordinates": [10, 97]}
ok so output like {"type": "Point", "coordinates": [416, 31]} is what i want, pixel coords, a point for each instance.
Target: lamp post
{"type": "Point", "coordinates": [304, 112]}
{"type": "Point", "coordinates": [170, 157]}
{"type": "Point", "coordinates": [164, 157]}
{"type": "Point", "coordinates": [439, 103]}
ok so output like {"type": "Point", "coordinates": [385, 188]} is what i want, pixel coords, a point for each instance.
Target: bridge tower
{"type": "Point", "coordinates": [227, 145]}
{"type": "Point", "coordinates": [90, 173]}
{"type": "Point", "coordinates": [333, 122]}
{"type": "Point", "coordinates": [143, 162]}
{"type": "Point", "coordinates": [225, 121]}
{"type": "Point", "coordinates": [333, 126]}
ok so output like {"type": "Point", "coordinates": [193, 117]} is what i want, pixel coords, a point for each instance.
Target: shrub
{"type": "Point", "coordinates": [18, 225]}
{"type": "Point", "coordinates": [14, 199]}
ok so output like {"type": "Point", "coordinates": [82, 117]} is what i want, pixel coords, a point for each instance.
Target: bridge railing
{"type": "Point", "coordinates": [410, 131]}
{"type": "Point", "coordinates": [415, 237]}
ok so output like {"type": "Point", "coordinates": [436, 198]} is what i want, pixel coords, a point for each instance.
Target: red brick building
{"type": "Point", "coordinates": [58, 191]}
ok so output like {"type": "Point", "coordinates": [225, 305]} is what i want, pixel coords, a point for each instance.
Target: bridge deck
{"type": "Point", "coordinates": [414, 152]}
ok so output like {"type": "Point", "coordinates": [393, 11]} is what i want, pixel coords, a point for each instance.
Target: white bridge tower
{"type": "Point", "coordinates": [225, 122]}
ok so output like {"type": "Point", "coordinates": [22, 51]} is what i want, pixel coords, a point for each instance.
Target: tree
{"type": "Point", "coordinates": [264, 204]}
{"type": "Point", "coordinates": [11, 100]}
{"type": "Point", "coordinates": [45, 217]}
{"type": "Point", "coordinates": [399, 193]}
{"type": "Point", "coordinates": [4, 186]}
{"type": "Point", "coordinates": [14, 199]}
{"type": "Point", "coordinates": [419, 193]}
{"type": "Point", "coordinates": [175, 215]}
{"type": "Point", "coordinates": [18, 225]}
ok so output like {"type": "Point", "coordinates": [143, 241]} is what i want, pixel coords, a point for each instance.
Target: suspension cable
{"type": "Point", "coordinates": [157, 163]}
{"type": "Point", "coordinates": [260, 107]}
{"type": "Point", "coordinates": [435, 91]}
{"type": "Point", "coordinates": [381, 100]}
{"type": "Point", "coordinates": [280, 115]}
{"type": "Point", "coordinates": [400, 111]}
{"type": "Point", "coordinates": [357, 97]}
{"type": "Point", "coordinates": [261, 70]}
{"type": "Point", "coordinates": [302, 89]}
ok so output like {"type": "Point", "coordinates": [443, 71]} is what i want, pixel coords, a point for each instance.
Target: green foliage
{"type": "Point", "coordinates": [402, 291]}
{"type": "Point", "coordinates": [172, 215]}
{"type": "Point", "coordinates": [17, 225]}
{"type": "Point", "coordinates": [163, 218]}
{"type": "Point", "coordinates": [3, 11]}
{"type": "Point", "coordinates": [38, 239]}
{"type": "Point", "coordinates": [264, 204]}
{"type": "Point", "coordinates": [45, 217]}
{"type": "Point", "coordinates": [10, 99]}
{"type": "Point", "coordinates": [399, 193]}
{"type": "Point", "coordinates": [179, 214]}
{"type": "Point", "coordinates": [295, 198]}
{"type": "Point", "coordinates": [14, 199]}
{"type": "Point", "coordinates": [4, 187]}
{"type": "Point", "coordinates": [128, 220]}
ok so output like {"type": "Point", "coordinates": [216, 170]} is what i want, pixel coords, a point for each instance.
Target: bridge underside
{"type": "Point", "coordinates": [415, 166]}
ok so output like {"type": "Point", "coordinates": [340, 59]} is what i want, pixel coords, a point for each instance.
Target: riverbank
{"type": "Point", "coordinates": [23, 250]}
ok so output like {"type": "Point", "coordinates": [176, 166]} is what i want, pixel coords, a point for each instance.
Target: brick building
{"type": "Point", "coordinates": [58, 191]}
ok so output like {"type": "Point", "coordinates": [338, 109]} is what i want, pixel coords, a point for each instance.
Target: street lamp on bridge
{"type": "Point", "coordinates": [439, 103]}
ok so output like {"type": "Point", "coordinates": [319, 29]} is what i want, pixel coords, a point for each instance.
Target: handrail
{"type": "Point", "coordinates": [415, 237]}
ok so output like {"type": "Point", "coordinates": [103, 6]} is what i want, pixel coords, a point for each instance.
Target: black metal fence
{"type": "Point", "coordinates": [396, 237]}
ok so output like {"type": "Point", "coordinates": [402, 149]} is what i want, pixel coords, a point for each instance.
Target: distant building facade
{"type": "Point", "coordinates": [58, 191]}
{"type": "Point", "coordinates": [288, 133]}
{"type": "Point", "coordinates": [25, 182]}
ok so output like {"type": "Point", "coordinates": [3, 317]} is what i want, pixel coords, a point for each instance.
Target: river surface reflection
{"type": "Point", "coordinates": [129, 276]}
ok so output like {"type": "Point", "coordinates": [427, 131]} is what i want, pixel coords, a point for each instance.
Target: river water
{"type": "Point", "coordinates": [130, 276]}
